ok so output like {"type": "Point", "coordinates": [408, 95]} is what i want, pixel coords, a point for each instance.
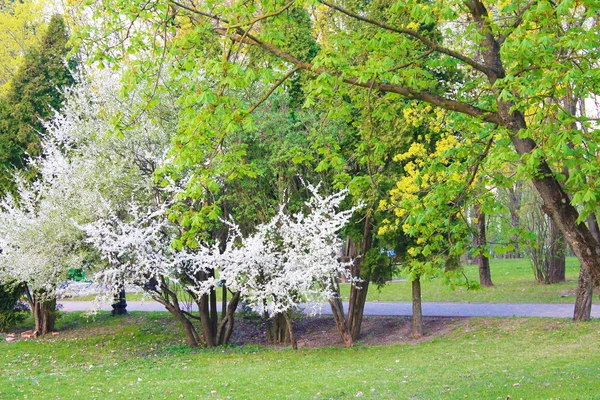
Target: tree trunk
{"type": "Point", "coordinates": [557, 203]}
{"type": "Point", "coordinates": [358, 297]}
{"type": "Point", "coordinates": [514, 206]}
{"type": "Point", "coordinates": [206, 321]}
{"type": "Point", "coordinates": [585, 288]}
{"type": "Point", "coordinates": [270, 333]}
{"type": "Point", "coordinates": [280, 329]}
{"type": "Point", "coordinates": [417, 317]}
{"type": "Point", "coordinates": [485, 277]}
{"type": "Point", "coordinates": [337, 309]}
{"type": "Point", "coordinates": [583, 299]}
{"type": "Point", "coordinates": [556, 264]}
{"type": "Point", "coordinates": [192, 337]}
{"type": "Point", "coordinates": [44, 314]}
{"type": "Point", "coordinates": [290, 327]}
{"type": "Point", "coordinates": [355, 313]}
{"type": "Point", "coordinates": [226, 324]}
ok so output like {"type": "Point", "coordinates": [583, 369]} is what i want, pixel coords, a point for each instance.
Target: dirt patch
{"type": "Point", "coordinates": [311, 332]}
{"type": "Point", "coordinates": [321, 331]}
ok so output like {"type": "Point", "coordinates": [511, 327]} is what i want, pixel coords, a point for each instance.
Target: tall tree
{"type": "Point", "coordinates": [34, 92]}
{"type": "Point", "coordinates": [517, 55]}
{"type": "Point", "coordinates": [21, 25]}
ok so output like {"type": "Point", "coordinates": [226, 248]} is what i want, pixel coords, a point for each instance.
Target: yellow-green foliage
{"type": "Point", "coordinates": [21, 24]}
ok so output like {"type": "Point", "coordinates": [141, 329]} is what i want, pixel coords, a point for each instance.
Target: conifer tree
{"type": "Point", "coordinates": [34, 93]}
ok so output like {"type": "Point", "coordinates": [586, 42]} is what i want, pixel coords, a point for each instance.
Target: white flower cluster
{"type": "Point", "coordinates": [293, 259]}
{"type": "Point", "coordinates": [39, 239]}
{"type": "Point", "coordinates": [83, 173]}
{"type": "Point", "coordinates": [289, 261]}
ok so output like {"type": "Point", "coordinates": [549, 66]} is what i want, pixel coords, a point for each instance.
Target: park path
{"type": "Point", "coordinates": [401, 309]}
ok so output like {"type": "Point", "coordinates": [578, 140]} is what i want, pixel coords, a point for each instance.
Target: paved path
{"type": "Point", "coordinates": [403, 308]}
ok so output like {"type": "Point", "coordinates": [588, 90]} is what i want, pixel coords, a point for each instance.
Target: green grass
{"type": "Point", "coordinates": [513, 280]}
{"type": "Point", "coordinates": [142, 357]}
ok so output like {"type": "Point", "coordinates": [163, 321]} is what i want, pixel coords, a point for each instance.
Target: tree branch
{"type": "Point", "coordinates": [445, 103]}
{"type": "Point", "coordinates": [202, 13]}
{"type": "Point", "coordinates": [266, 96]}
{"type": "Point", "coordinates": [241, 35]}
{"type": "Point", "coordinates": [265, 16]}
{"type": "Point", "coordinates": [409, 32]}
{"type": "Point", "coordinates": [517, 22]}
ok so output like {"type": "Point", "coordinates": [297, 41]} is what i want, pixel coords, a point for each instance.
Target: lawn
{"type": "Point", "coordinates": [513, 280]}
{"type": "Point", "coordinates": [142, 357]}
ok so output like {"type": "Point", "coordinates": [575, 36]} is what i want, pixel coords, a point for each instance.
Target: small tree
{"type": "Point", "coordinates": [138, 250]}
{"type": "Point", "coordinates": [293, 259]}
{"type": "Point", "coordinates": [39, 238]}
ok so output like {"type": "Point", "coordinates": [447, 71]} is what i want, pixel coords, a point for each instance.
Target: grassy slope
{"type": "Point", "coordinates": [140, 357]}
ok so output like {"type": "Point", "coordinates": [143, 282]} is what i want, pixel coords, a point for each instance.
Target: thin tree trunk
{"type": "Point", "coordinates": [214, 315]}
{"type": "Point", "coordinates": [280, 328]}
{"type": "Point", "coordinates": [226, 324]}
{"type": "Point", "coordinates": [270, 332]}
{"type": "Point", "coordinates": [205, 321]}
{"type": "Point", "coordinates": [417, 317]}
{"type": "Point", "coordinates": [192, 337]}
{"type": "Point", "coordinates": [224, 302]}
{"type": "Point", "coordinates": [485, 277]}
{"type": "Point", "coordinates": [358, 310]}
{"type": "Point", "coordinates": [290, 328]}
{"type": "Point", "coordinates": [358, 297]}
{"type": "Point", "coordinates": [514, 205]}
{"type": "Point", "coordinates": [556, 264]}
{"type": "Point", "coordinates": [337, 309]}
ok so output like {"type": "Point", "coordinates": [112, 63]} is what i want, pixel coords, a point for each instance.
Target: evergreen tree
{"type": "Point", "coordinates": [34, 93]}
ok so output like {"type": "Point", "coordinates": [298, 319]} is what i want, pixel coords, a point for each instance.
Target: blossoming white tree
{"type": "Point", "coordinates": [38, 237]}
{"type": "Point", "coordinates": [83, 172]}
{"type": "Point", "coordinates": [139, 250]}
{"type": "Point", "coordinates": [291, 260]}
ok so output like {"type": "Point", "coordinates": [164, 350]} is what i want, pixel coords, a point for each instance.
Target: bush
{"type": "Point", "coordinates": [11, 309]}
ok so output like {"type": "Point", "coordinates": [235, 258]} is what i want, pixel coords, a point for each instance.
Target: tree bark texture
{"type": "Point", "coordinates": [214, 331]}
{"type": "Point", "coordinates": [192, 337]}
{"type": "Point", "coordinates": [557, 262]}
{"type": "Point", "coordinates": [514, 206]}
{"type": "Point", "coordinates": [358, 296]}
{"type": "Point", "coordinates": [225, 328]}
{"type": "Point", "coordinates": [417, 317]}
{"type": "Point", "coordinates": [337, 309]}
{"type": "Point", "coordinates": [584, 292]}
{"type": "Point", "coordinates": [292, 337]}
{"type": "Point", "coordinates": [485, 276]}
{"type": "Point", "coordinates": [44, 314]}
{"type": "Point", "coordinates": [583, 299]}
{"type": "Point", "coordinates": [208, 329]}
